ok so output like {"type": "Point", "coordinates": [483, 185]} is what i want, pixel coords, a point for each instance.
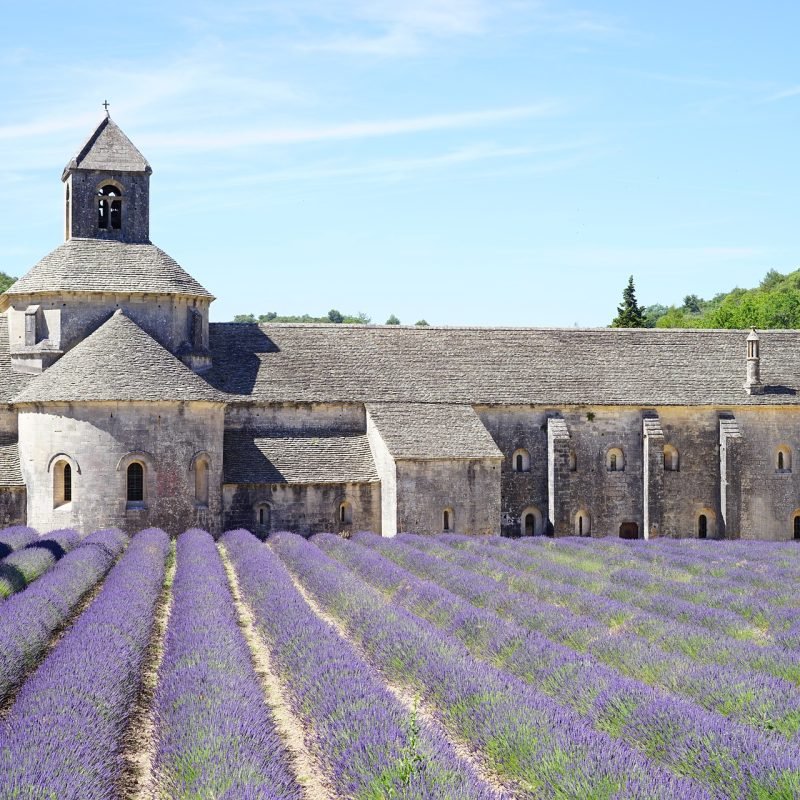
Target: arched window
{"type": "Point", "coordinates": [783, 459]}
{"type": "Point", "coordinates": [530, 522]}
{"type": "Point", "coordinates": [521, 460]}
{"type": "Point", "coordinates": [448, 520]}
{"type": "Point", "coordinates": [615, 460]}
{"type": "Point", "coordinates": [201, 481]}
{"type": "Point", "coordinates": [572, 461]}
{"type": "Point", "coordinates": [135, 482]}
{"type": "Point", "coordinates": [263, 513]}
{"type": "Point", "coordinates": [345, 513]}
{"type": "Point", "coordinates": [706, 524]}
{"type": "Point", "coordinates": [62, 483]}
{"type": "Point", "coordinates": [796, 525]}
{"type": "Point", "coordinates": [672, 459]}
{"type": "Point", "coordinates": [109, 207]}
{"type": "Point", "coordinates": [583, 524]}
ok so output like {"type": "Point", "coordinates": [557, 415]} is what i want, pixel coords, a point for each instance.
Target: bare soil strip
{"type": "Point", "coordinates": [290, 728]}
{"type": "Point", "coordinates": [137, 781]}
{"type": "Point", "coordinates": [410, 702]}
{"type": "Point", "coordinates": [58, 635]}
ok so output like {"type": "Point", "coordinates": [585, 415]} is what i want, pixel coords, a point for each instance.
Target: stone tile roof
{"type": "Point", "coordinates": [10, 382]}
{"type": "Point", "coordinates": [430, 431]}
{"type": "Point", "coordinates": [251, 457]}
{"type": "Point", "coordinates": [118, 362]}
{"type": "Point", "coordinates": [10, 474]}
{"type": "Point", "coordinates": [108, 149]}
{"type": "Point", "coordinates": [97, 265]}
{"type": "Point", "coordinates": [356, 363]}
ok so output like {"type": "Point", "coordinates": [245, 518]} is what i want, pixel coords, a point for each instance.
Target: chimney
{"type": "Point", "coordinates": [753, 383]}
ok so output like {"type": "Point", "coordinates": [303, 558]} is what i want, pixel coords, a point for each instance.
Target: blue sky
{"type": "Point", "coordinates": [483, 162]}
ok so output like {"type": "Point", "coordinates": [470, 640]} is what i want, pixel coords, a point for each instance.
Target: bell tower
{"type": "Point", "coordinates": [107, 189]}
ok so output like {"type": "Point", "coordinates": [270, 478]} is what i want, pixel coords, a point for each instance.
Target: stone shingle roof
{"type": "Point", "coordinates": [356, 363]}
{"type": "Point", "coordinates": [10, 474]}
{"type": "Point", "coordinates": [96, 265]}
{"type": "Point", "coordinates": [430, 431]}
{"type": "Point", "coordinates": [118, 362]}
{"type": "Point", "coordinates": [251, 457]}
{"type": "Point", "coordinates": [108, 149]}
{"type": "Point", "coordinates": [10, 382]}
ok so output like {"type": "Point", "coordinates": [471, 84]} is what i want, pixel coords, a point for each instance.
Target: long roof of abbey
{"type": "Point", "coordinates": [489, 366]}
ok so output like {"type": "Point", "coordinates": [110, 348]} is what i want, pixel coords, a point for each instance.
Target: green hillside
{"type": "Point", "coordinates": [5, 281]}
{"type": "Point", "coordinates": [775, 303]}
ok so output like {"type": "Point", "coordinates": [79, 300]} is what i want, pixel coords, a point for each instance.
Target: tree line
{"type": "Point", "coordinates": [333, 316]}
{"type": "Point", "coordinates": [774, 303]}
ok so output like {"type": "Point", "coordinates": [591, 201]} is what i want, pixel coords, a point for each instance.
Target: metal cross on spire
{"type": "Point", "coordinates": [105, 106]}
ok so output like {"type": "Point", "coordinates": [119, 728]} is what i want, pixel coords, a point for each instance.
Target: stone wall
{"type": "Point", "coordinates": [81, 188]}
{"type": "Point", "coordinates": [296, 417]}
{"type": "Point", "coordinates": [302, 508]}
{"type": "Point", "coordinates": [387, 472]}
{"type": "Point", "coordinates": [469, 487]}
{"type": "Point", "coordinates": [67, 319]}
{"type": "Point", "coordinates": [98, 440]}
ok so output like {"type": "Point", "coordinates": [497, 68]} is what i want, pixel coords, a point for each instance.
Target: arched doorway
{"type": "Point", "coordinates": [796, 525]}
{"type": "Point", "coordinates": [629, 530]}
{"type": "Point", "coordinates": [531, 522]}
{"type": "Point", "coordinates": [702, 527]}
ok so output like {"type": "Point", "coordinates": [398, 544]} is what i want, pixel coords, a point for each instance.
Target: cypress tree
{"type": "Point", "coordinates": [630, 314]}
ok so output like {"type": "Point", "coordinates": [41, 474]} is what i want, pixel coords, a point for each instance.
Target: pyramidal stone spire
{"type": "Point", "coordinates": [107, 186]}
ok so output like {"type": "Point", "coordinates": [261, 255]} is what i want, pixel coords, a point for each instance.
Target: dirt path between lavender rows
{"type": "Point", "coordinates": [291, 730]}
{"type": "Point", "coordinates": [411, 702]}
{"type": "Point", "coordinates": [137, 781]}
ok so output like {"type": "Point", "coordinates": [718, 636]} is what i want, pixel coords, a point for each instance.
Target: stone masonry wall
{"type": "Point", "coordinates": [302, 508]}
{"type": "Point", "coordinates": [98, 440]}
{"type": "Point", "coordinates": [470, 487]}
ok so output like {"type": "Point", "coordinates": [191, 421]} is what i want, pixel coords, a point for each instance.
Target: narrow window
{"type": "Point", "coordinates": [345, 513]}
{"type": "Point", "coordinates": [783, 459]}
{"type": "Point", "coordinates": [201, 482]}
{"type": "Point", "coordinates": [447, 519]}
{"type": "Point", "coordinates": [797, 526]}
{"type": "Point", "coordinates": [702, 526]}
{"type": "Point", "coordinates": [62, 483]}
{"type": "Point", "coordinates": [583, 524]}
{"type": "Point", "coordinates": [263, 517]}
{"type": "Point", "coordinates": [135, 483]}
{"type": "Point", "coordinates": [67, 483]}
{"type": "Point", "coordinates": [780, 460]}
{"type": "Point", "coordinates": [615, 461]}
{"type": "Point", "coordinates": [521, 460]}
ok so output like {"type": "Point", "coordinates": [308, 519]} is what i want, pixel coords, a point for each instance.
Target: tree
{"type": "Point", "coordinates": [249, 318]}
{"type": "Point", "coordinates": [335, 316]}
{"type": "Point", "coordinates": [5, 281]}
{"type": "Point", "coordinates": [630, 313]}
{"type": "Point", "coordinates": [393, 320]}
{"type": "Point", "coordinates": [422, 323]}
{"type": "Point", "coordinates": [691, 303]}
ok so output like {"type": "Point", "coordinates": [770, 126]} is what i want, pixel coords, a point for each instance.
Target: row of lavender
{"type": "Point", "coordinates": [408, 668]}
{"type": "Point", "coordinates": [77, 726]}
{"type": "Point", "coordinates": [26, 556]}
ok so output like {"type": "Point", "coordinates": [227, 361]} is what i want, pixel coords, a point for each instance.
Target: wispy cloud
{"type": "Point", "coordinates": [792, 91]}
{"type": "Point", "coordinates": [243, 137]}
{"type": "Point", "coordinates": [394, 169]}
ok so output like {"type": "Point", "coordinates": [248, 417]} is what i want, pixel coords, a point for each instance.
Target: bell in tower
{"type": "Point", "coordinates": [107, 188]}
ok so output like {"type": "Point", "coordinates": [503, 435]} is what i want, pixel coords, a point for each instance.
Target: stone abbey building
{"type": "Point", "coordinates": [120, 405]}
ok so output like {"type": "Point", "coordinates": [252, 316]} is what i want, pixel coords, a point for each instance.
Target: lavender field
{"type": "Point", "coordinates": [414, 667]}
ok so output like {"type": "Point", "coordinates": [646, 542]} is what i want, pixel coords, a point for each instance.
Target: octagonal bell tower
{"type": "Point", "coordinates": [107, 189]}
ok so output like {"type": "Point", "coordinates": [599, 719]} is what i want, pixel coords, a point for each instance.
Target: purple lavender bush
{"type": "Point", "coordinates": [215, 737]}
{"type": "Point", "coordinates": [64, 735]}
{"type": "Point", "coordinates": [14, 538]}
{"type": "Point", "coordinates": [534, 746]}
{"type": "Point", "coordinates": [29, 619]}
{"type": "Point", "coordinates": [369, 744]}
{"type": "Point", "coordinates": [725, 756]}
